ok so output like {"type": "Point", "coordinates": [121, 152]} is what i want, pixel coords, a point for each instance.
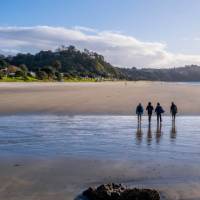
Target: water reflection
{"type": "Point", "coordinates": [139, 133]}
{"type": "Point", "coordinates": [149, 135]}
{"type": "Point", "coordinates": [173, 131]}
{"type": "Point", "coordinates": [158, 132]}
{"type": "Point", "coordinates": [103, 136]}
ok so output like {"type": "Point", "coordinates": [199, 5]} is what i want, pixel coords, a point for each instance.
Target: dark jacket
{"type": "Point", "coordinates": [149, 109]}
{"type": "Point", "coordinates": [139, 110]}
{"type": "Point", "coordinates": [173, 109]}
{"type": "Point", "coordinates": [159, 110]}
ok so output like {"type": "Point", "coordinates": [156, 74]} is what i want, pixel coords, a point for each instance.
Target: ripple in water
{"type": "Point", "coordinates": [116, 137]}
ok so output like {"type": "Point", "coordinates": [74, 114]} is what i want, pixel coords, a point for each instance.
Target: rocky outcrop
{"type": "Point", "coordinates": [119, 192]}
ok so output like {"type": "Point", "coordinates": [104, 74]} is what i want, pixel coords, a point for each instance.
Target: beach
{"type": "Point", "coordinates": [58, 156]}
{"type": "Point", "coordinates": [65, 179]}
{"type": "Point", "coordinates": [58, 139]}
{"type": "Point", "coordinates": [110, 98]}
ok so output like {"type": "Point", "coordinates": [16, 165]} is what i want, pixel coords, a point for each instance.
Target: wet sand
{"type": "Point", "coordinates": [95, 150]}
{"type": "Point", "coordinates": [114, 98]}
{"type": "Point", "coordinates": [64, 179]}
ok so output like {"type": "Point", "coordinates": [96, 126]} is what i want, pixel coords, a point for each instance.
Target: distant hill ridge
{"type": "Point", "coordinates": [75, 63]}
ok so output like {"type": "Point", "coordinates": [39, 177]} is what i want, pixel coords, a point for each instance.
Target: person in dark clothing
{"type": "Point", "coordinates": [173, 110]}
{"type": "Point", "coordinates": [159, 110]}
{"type": "Point", "coordinates": [149, 109]}
{"type": "Point", "coordinates": [139, 112]}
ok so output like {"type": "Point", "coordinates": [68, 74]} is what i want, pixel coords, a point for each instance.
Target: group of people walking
{"type": "Point", "coordinates": [158, 110]}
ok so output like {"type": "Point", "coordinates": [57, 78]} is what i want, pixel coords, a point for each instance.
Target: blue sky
{"type": "Point", "coordinates": [173, 23]}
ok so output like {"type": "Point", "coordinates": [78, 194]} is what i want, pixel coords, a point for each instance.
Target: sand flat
{"type": "Point", "coordinates": [64, 179]}
{"type": "Point", "coordinates": [116, 98]}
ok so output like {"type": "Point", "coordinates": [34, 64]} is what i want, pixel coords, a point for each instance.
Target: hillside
{"type": "Point", "coordinates": [187, 73]}
{"type": "Point", "coordinates": [71, 62]}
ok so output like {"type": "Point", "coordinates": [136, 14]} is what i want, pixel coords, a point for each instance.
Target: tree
{"type": "Point", "coordinates": [71, 48]}
{"type": "Point", "coordinates": [58, 76]}
{"type": "Point", "coordinates": [24, 70]}
{"type": "Point", "coordinates": [20, 73]}
{"type": "Point", "coordinates": [49, 71]}
{"type": "Point", "coordinates": [23, 67]}
{"type": "Point", "coordinates": [2, 56]}
{"type": "Point", "coordinates": [3, 64]}
{"type": "Point", "coordinates": [1, 74]}
{"type": "Point", "coordinates": [41, 75]}
{"type": "Point", "coordinates": [57, 65]}
{"type": "Point", "coordinates": [61, 48]}
{"type": "Point", "coordinates": [66, 60]}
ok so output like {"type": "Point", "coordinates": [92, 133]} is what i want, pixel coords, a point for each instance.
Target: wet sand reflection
{"type": "Point", "coordinates": [149, 135]}
{"type": "Point", "coordinates": [158, 133]}
{"type": "Point", "coordinates": [173, 132]}
{"type": "Point", "coordinates": [139, 133]}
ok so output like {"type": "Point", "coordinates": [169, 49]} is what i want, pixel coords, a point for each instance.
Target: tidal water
{"type": "Point", "coordinates": [107, 137]}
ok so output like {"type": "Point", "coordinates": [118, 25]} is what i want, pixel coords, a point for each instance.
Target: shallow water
{"type": "Point", "coordinates": [107, 137]}
{"type": "Point", "coordinates": [166, 158]}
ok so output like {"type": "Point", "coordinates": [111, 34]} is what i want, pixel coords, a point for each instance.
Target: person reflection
{"type": "Point", "coordinates": [173, 130]}
{"type": "Point", "coordinates": [158, 132]}
{"type": "Point", "coordinates": [149, 135]}
{"type": "Point", "coordinates": [139, 133]}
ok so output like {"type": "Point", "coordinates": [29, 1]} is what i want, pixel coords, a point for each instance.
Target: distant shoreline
{"type": "Point", "coordinates": [89, 81]}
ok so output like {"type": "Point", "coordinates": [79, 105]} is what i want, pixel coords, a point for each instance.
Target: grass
{"type": "Point", "coordinates": [18, 79]}
{"type": "Point", "coordinates": [31, 79]}
{"type": "Point", "coordinates": [80, 80]}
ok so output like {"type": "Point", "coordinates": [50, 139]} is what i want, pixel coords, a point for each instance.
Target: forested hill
{"type": "Point", "coordinates": [187, 73]}
{"type": "Point", "coordinates": [70, 62]}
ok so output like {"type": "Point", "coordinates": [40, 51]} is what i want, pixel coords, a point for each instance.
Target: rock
{"type": "Point", "coordinates": [119, 192]}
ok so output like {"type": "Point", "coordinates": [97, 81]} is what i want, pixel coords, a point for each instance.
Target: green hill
{"type": "Point", "coordinates": [69, 62]}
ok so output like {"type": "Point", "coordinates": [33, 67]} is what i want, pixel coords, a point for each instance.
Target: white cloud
{"type": "Point", "coordinates": [117, 48]}
{"type": "Point", "coordinates": [86, 29]}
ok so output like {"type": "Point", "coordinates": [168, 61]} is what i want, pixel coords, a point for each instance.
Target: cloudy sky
{"type": "Point", "coordinates": [145, 33]}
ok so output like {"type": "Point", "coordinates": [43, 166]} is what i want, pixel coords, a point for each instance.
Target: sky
{"type": "Point", "coordinates": [128, 33]}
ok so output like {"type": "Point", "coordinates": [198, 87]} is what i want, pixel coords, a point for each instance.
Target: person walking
{"type": "Point", "coordinates": [149, 109]}
{"type": "Point", "coordinates": [159, 110]}
{"type": "Point", "coordinates": [139, 112]}
{"type": "Point", "coordinates": [173, 111]}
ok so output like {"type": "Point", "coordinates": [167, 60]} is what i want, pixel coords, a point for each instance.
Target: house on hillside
{"type": "Point", "coordinates": [10, 70]}
{"type": "Point", "coordinates": [4, 71]}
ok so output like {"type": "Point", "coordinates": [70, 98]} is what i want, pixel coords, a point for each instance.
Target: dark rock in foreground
{"type": "Point", "coordinates": [118, 192]}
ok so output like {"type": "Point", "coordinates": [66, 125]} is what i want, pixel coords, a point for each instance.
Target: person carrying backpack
{"type": "Point", "coordinates": [159, 111]}
{"type": "Point", "coordinates": [139, 112]}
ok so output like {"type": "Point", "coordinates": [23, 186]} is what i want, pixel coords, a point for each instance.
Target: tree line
{"type": "Point", "coordinates": [69, 62]}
